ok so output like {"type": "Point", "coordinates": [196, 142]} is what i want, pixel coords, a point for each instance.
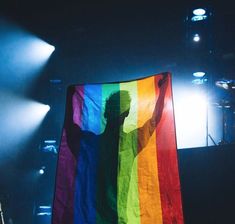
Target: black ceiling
{"type": "Point", "coordinates": [126, 37]}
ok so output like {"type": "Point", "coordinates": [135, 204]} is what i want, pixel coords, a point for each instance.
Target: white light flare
{"type": "Point", "coordinates": [41, 171]}
{"type": "Point", "coordinates": [199, 12]}
{"type": "Point", "coordinates": [199, 74]}
{"type": "Point", "coordinates": [196, 38]}
{"type": "Point", "coordinates": [23, 56]}
{"type": "Point", "coordinates": [191, 118]}
{"type": "Point", "coordinates": [20, 118]}
{"type": "Point", "coordinates": [38, 50]}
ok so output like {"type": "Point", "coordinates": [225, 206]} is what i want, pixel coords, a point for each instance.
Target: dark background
{"type": "Point", "coordinates": [122, 40]}
{"type": "Point", "coordinates": [207, 184]}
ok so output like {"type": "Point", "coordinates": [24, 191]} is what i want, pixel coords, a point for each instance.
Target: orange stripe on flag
{"type": "Point", "coordinates": [149, 193]}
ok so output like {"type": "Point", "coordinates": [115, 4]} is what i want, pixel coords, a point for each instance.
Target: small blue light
{"type": "Point", "coordinates": [43, 213]}
{"type": "Point", "coordinates": [50, 149]}
{"type": "Point", "coordinates": [50, 141]}
{"type": "Point", "coordinates": [198, 18]}
{"type": "Point", "coordinates": [199, 81]}
{"type": "Point", "coordinates": [45, 207]}
{"type": "Point", "coordinates": [49, 146]}
{"type": "Point", "coordinates": [43, 210]}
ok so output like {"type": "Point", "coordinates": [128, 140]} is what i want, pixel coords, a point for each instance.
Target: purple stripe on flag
{"type": "Point", "coordinates": [63, 207]}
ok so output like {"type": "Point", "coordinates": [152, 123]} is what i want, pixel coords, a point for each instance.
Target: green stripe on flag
{"type": "Point", "coordinates": [128, 199]}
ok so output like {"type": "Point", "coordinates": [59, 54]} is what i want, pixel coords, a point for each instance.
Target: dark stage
{"type": "Point", "coordinates": [45, 46]}
{"type": "Point", "coordinates": [208, 183]}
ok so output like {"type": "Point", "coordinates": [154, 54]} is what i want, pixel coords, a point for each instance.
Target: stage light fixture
{"type": "Point", "coordinates": [199, 12]}
{"type": "Point", "coordinates": [199, 74]}
{"type": "Point", "coordinates": [40, 50]}
{"type": "Point", "coordinates": [38, 111]}
{"type": "Point", "coordinates": [196, 38]}
{"type": "Point", "coordinates": [47, 108]}
{"type": "Point", "coordinates": [42, 170]}
{"type": "Point", "coordinates": [23, 56]}
{"type": "Point", "coordinates": [20, 118]}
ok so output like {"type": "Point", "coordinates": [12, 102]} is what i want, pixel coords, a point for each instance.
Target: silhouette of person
{"type": "Point", "coordinates": [110, 153]}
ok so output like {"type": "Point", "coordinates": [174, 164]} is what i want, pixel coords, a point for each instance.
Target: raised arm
{"type": "Point", "coordinates": [146, 131]}
{"type": "Point", "coordinates": [73, 131]}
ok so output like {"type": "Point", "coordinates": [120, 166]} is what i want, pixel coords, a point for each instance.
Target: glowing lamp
{"type": "Point", "coordinates": [42, 170]}
{"type": "Point", "coordinates": [196, 38]}
{"type": "Point", "coordinates": [199, 74]}
{"type": "Point", "coordinates": [199, 12]}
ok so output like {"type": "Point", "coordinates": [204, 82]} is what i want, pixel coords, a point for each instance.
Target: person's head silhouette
{"type": "Point", "coordinates": [117, 107]}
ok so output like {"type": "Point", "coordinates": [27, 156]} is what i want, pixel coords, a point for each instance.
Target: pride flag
{"type": "Point", "coordinates": [117, 160]}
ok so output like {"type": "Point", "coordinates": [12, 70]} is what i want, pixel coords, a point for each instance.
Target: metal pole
{"type": "Point", "coordinates": [1, 214]}
{"type": "Point", "coordinates": [207, 118]}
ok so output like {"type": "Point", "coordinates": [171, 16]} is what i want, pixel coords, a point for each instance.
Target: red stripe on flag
{"type": "Point", "coordinates": [167, 163]}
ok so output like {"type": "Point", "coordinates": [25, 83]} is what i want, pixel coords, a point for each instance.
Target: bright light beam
{"type": "Point", "coordinates": [190, 116]}
{"type": "Point", "coordinates": [40, 51]}
{"type": "Point", "coordinates": [23, 55]}
{"type": "Point", "coordinates": [20, 118]}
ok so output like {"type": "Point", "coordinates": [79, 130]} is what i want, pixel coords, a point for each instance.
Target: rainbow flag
{"type": "Point", "coordinates": [117, 159]}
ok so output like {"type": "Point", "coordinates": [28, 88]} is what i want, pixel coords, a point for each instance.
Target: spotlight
{"type": "Point", "coordinates": [190, 111]}
{"type": "Point", "coordinates": [42, 170]}
{"type": "Point", "coordinates": [37, 111]}
{"type": "Point", "coordinates": [46, 108]}
{"type": "Point", "coordinates": [196, 38]}
{"type": "Point", "coordinates": [23, 56]}
{"type": "Point", "coordinates": [26, 113]}
{"type": "Point", "coordinates": [40, 50]}
{"type": "Point", "coordinates": [199, 74]}
{"type": "Point", "coordinates": [199, 12]}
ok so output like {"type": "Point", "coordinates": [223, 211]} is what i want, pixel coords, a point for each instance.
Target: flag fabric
{"type": "Point", "coordinates": [117, 159]}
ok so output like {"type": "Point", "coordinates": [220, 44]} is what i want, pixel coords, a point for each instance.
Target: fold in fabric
{"type": "Point", "coordinates": [117, 160]}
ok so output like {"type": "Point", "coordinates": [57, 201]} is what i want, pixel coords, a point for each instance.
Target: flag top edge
{"type": "Point", "coordinates": [120, 81]}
